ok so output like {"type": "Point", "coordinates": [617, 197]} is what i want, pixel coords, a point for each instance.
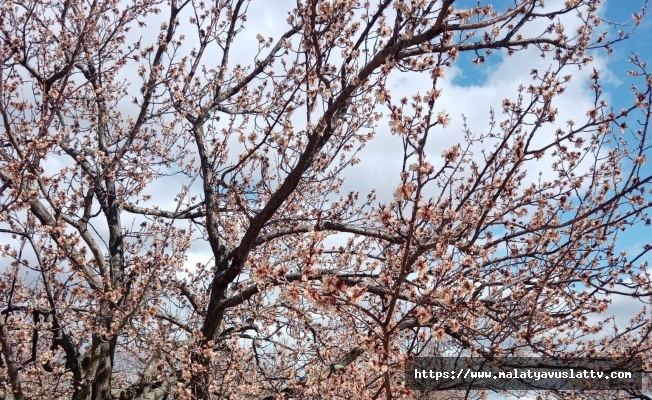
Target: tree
{"type": "Point", "coordinates": [135, 140]}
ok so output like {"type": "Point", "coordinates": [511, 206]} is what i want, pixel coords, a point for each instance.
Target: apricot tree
{"type": "Point", "coordinates": [173, 217]}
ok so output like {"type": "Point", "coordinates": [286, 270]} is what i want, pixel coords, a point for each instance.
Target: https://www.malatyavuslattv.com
{"type": "Point", "coordinates": [446, 373]}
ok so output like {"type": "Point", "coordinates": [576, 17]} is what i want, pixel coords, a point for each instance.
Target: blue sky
{"type": "Point", "coordinates": [617, 88]}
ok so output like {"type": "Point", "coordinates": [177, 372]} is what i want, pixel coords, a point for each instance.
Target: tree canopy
{"type": "Point", "coordinates": [179, 216]}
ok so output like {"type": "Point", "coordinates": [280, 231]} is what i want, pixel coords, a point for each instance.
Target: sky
{"type": "Point", "coordinates": [471, 91]}
{"type": "Point", "coordinates": [468, 92]}
{"type": "Point", "coordinates": [499, 72]}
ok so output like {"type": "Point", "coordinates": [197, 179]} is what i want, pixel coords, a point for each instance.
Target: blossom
{"type": "Point", "coordinates": [443, 119]}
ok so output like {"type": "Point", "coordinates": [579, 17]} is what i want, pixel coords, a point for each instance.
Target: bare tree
{"type": "Point", "coordinates": [134, 138]}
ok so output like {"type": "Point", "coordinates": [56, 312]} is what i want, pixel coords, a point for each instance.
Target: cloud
{"type": "Point", "coordinates": [381, 159]}
{"type": "Point", "coordinates": [472, 92]}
